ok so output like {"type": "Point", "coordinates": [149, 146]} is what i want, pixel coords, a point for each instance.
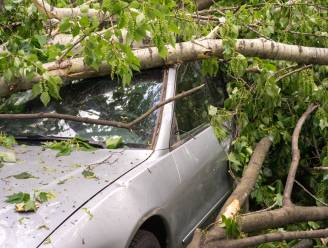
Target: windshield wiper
{"type": "Point", "coordinates": [44, 138]}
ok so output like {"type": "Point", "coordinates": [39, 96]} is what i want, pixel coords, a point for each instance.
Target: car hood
{"type": "Point", "coordinates": [61, 176]}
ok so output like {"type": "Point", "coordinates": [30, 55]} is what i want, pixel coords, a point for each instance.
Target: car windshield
{"type": "Point", "coordinates": [100, 98]}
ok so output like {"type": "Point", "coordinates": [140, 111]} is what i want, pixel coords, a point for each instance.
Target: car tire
{"type": "Point", "coordinates": [144, 239]}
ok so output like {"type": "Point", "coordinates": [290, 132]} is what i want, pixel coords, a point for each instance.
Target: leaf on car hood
{"type": "Point", "coordinates": [8, 156]}
{"type": "Point", "coordinates": [18, 197]}
{"type": "Point", "coordinates": [114, 142]}
{"type": "Point", "coordinates": [25, 203]}
{"type": "Point", "coordinates": [88, 212]}
{"type": "Point", "coordinates": [89, 174]}
{"type": "Point", "coordinates": [24, 175]}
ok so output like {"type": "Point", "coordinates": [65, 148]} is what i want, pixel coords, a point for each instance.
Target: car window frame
{"type": "Point", "coordinates": [173, 142]}
{"type": "Point", "coordinates": [158, 124]}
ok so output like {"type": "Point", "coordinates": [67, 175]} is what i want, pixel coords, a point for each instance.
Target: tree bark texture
{"type": "Point", "coordinates": [296, 155]}
{"type": "Point", "coordinates": [269, 237]}
{"type": "Point", "coordinates": [182, 52]}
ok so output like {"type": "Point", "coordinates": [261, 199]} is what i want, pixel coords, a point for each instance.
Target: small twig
{"type": "Point", "coordinates": [285, 69]}
{"type": "Point", "coordinates": [292, 72]}
{"type": "Point", "coordinates": [310, 194]}
{"type": "Point", "coordinates": [295, 156]}
{"type": "Point", "coordinates": [112, 123]}
{"type": "Point", "coordinates": [213, 34]}
{"type": "Point", "coordinates": [320, 168]}
{"type": "Point", "coordinates": [262, 210]}
{"type": "Point", "coordinates": [257, 32]}
{"type": "Point", "coordinates": [78, 41]}
{"type": "Point", "coordinates": [308, 34]}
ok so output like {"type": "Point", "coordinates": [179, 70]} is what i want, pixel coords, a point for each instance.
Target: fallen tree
{"type": "Point", "coordinates": [183, 52]}
{"type": "Point", "coordinates": [268, 219]}
{"type": "Point", "coordinates": [274, 56]}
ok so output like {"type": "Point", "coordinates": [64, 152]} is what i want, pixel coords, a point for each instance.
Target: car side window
{"type": "Point", "coordinates": [191, 112]}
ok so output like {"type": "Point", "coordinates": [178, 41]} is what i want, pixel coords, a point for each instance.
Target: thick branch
{"type": "Point", "coordinates": [259, 221]}
{"type": "Point", "coordinates": [247, 183]}
{"type": "Point", "coordinates": [240, 194]}
{"type": "Point", "coordinates": [292, 72]}
{"type": "Point", "coordinates": [295, 156]}
{"type": "Point", "coordinates": [281, 217]}
{"type": "Point", "coordinates": [112, 123]}
{"type": "Point", "coordinates": [182, 52]}
{"type": "Point", "coordinates": [60, 13]}
{"type": "Point", "coordinates": [270, 237]}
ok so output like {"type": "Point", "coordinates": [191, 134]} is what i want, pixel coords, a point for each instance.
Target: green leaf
{"type": "Point", "coordinates": [29, 206]}
{"type": "Point", "coordinates": [8, 157]}
{"type": "Point", "coordinates": [238, 65]}
{"type": "Point", "coordinates": [45, 98]}
{"type": "Point", "coordinates": [54, 84]}
{"type": "Point", "coordinates": [45, 196]}
{"type": "Point", "coordinates": [88, 212]}
{"type": "Point", "coordinates": [36, 89]}
{"type": "Point", "coordinates": [84, 21]}
{"type": "Point", "coordinates": [114, 142]}
{"type": "Point", "coordinates": [18, 197]}
{"type": "Point", "coordinates": [24, 175]}
{"type": "Point", "coordinates": [231, 227]}
{"type": "Point", "coordinates": [88, 174]}
{"type": "Point", "coordinates": [7, 140]}
{"type": "Point", "coordinates": [65, 25]}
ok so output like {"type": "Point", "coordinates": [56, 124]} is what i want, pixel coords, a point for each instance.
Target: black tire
{"type": "Point", "coordinates": [144, 239]}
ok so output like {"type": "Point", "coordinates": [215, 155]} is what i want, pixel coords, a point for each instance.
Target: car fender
{"type": "Point", "coordinates": [113, 216]}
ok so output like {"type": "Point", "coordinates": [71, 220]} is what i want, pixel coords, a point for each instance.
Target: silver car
{"type": "Point", "coordinates": [167, 179]}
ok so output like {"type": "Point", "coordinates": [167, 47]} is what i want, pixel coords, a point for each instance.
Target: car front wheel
{"type": "Point", "coordinates": [144, 239]}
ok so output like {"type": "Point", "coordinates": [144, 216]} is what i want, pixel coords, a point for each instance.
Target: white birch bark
{"type": "Point", "coordinates": [182, 52]}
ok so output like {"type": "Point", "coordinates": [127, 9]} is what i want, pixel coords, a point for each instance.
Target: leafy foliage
{"type": "Point", "coordinates": [114, 142]}
{"type": "Point", "coordinates": [25, 203]}
{"type": "Point", "coordinates": [66, 147]}
{"type": "Point", "coordinates": [24, 175]}
{"type": "Point", "coordinates": [7, 141]}
{"type": "Point", "coordinates": [267, 102]}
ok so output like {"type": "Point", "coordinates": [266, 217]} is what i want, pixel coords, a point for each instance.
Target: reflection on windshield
{"type": "Point", "coordinates": [99, 98]}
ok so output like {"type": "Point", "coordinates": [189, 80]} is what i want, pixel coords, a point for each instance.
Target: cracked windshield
{"type": "Point", "coordinates": [96, 98]}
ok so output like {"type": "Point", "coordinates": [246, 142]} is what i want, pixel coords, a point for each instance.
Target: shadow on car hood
{"type": "Point", "coordinates": [61, 176]}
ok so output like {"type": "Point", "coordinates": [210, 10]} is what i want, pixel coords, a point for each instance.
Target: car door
{"type": "Point", "coordinates": [199, 158]}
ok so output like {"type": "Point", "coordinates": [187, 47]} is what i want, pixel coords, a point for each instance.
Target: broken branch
{"type": "Point", "coordinates": [270, 237]}
{"type": "Point", "coordinates": [182, 52]}
{"type": "Point", "coordinates": [295, 156]}
{"type": "Point", "coordinates": [112, 123]}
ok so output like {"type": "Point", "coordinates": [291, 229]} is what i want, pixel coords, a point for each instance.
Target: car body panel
{"type": "Point", "coordinates": [61, 176]}
{"type": "Point", "coordinates": [153, 188]}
